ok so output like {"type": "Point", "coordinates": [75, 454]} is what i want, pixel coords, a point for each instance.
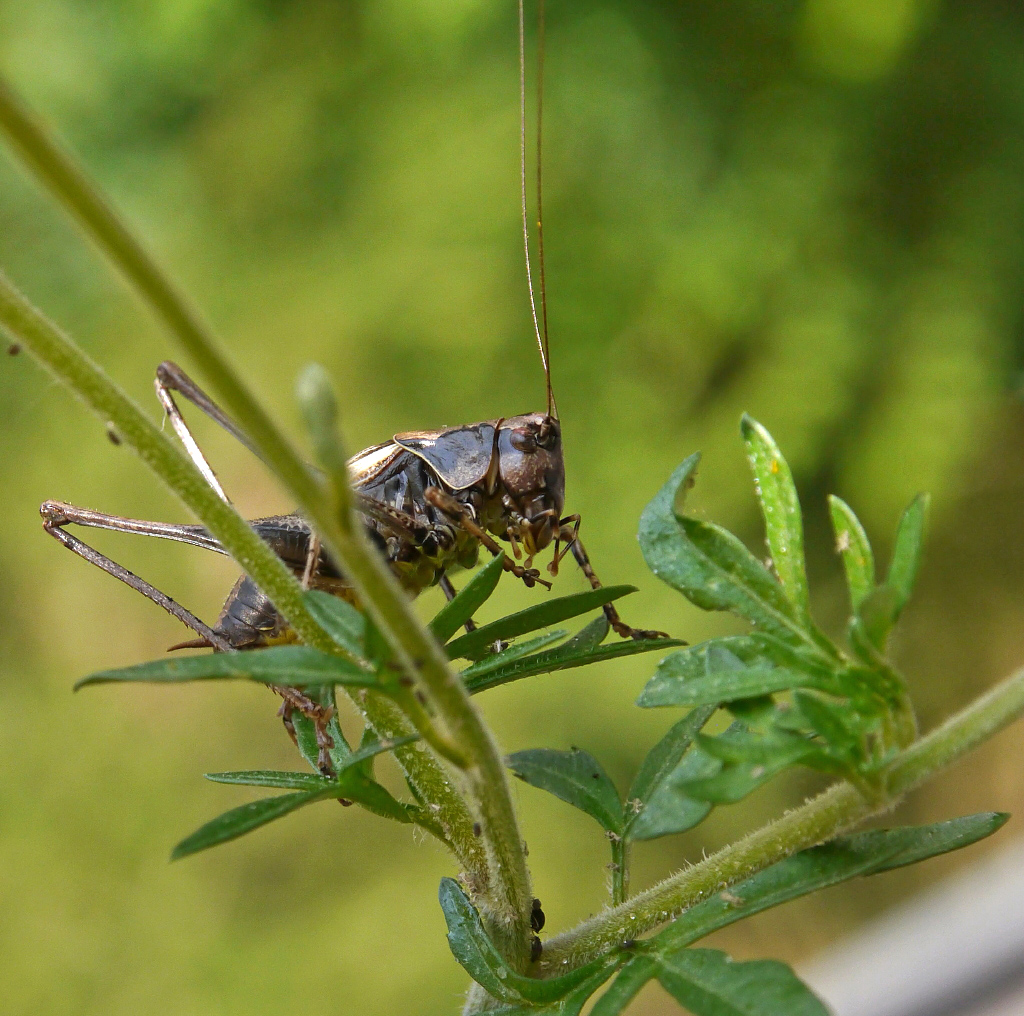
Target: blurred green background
{"type": "Point", "coordinates": [809, 209]}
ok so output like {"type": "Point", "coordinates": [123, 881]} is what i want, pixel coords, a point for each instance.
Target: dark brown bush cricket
{"type": "Point", "coordinates": [428, 499]}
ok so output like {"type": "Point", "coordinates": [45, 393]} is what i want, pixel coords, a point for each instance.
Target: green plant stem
{"type": "Point", "coordinates": [836, 810]}
{"type": "Point", "coordinates": [620, 870]}
{"type": "Point", "coordinates": [504, 881]}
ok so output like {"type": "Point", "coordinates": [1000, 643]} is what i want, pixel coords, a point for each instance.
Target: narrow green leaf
{"type": "Point", "coordinates": [474, 950]}
{"type": "Point", "coordinates": [837, 861]}
{"type": "Point", "coordinates": [271, 778]}
{"type": "Point", "coordinates": [294, 666]}
{"type": "Point", "coordinates": [516, 651]}
{"type": "Point", "coordinates": [341, 752]}
{"type": "Point", "coordinates": [906, 554]}
{"type": "Point", "coordinates": [589, 637]}
{"type": "Point", "coordinates": [541, 615]}
{"type": "Point", "coordinates": [797, 876]}
{"type": "Point", "coordinates": [783, 520]}
{"type": "Point", "coordinates": [626, 986]}
{"type": "Point", "coordinates": [373, 797]}
{"type": "Point", "coordinates": [454, 614]}
{"type": "Point", "coordinates": [305, 741]}
{"type": "Point", "coordinates": [245, 818]}
{"type": "Point", "coordinates": [565, 657]}
{"type": "Point", "coordinates": [852, 544]}
{"type": "Point", "coordinates": [709, 566]}
{"type": "Point", "coordinates": [356, 785]}
{"type": "Point", "coordinates": [574, 776]}
{"type": "Point", "coordinates": [365, 766]}
{"type": "Point", "coordinates": [918, 843]}
{"type": "Point", "coordinates": [873, 620]}
{"type": "Point", "coordinates": [345, 625]}
{"type": "Point", "coordinates": [709, 983]}
{"type": "Point", "coordinates": [662, 759]}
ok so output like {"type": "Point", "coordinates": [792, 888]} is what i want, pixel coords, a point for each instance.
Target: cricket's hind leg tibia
{"type": "Point", "coordinates": [449, 591]}
{"type": "Point", "coordinates": [171, 378]}
{"type": "Point", "coordinates": [56, 515]}
{"type": "Point", "coordinates": [569, 535]}
{"type": "Point", "coordinates": [238, 626]}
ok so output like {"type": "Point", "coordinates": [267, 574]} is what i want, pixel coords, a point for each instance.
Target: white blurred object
{"type": "Point", "coordinates": [955, 950]}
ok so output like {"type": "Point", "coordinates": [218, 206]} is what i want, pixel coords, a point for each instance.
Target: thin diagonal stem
{"type": "Point", "coordinates": [500, 864]}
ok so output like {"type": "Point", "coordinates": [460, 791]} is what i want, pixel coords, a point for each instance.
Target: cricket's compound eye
{"type": "Point", "coordinates": [523, 441]}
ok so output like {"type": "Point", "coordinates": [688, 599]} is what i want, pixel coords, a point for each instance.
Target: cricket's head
{"type": "Point", "coordinates": [533, 474]}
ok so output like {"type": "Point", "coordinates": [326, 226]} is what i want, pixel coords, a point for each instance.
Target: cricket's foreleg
{"type": "Point", "coordinates": [570, 536]}
{"type": "Point", "coordinates": [57, 515]}
{"type": "Point", "coordinates": [449, 591]}
{"type": "Point", "coordinates": [460, 514]}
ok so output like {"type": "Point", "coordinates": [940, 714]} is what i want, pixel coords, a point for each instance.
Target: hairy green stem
{"type": "Point", "coordinates": [504, 880]}
{"type": "Point", "coordinates": [836, 810]}
{"type": "Point", "coordinates": [620, 870]}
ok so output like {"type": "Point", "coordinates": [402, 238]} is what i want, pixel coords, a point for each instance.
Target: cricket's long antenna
{"type": "Point", "coordinates": [541, 333]}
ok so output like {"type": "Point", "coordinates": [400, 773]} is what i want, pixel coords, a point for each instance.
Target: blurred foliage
{"type": "Point", "coordinates": [811, 211]}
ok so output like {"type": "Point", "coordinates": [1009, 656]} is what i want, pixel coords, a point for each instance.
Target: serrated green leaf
{"type": "Point", "coordinates": [472, 947]}
{"type": "Point", "coordinates": [738, 665]}
{"type": "Point", "coordinates": [737, 780]}
{"type": "Point", "coordinates": [837, 861]}
{"type": "Point", "coordinates": [345, 625]}
{"type": "Point", "coordinates": [661, 761]}
{"type": "Point", "coordinates": [709, 983]}
{"type": "Point", "coordinates": [541, 615]}
{"type": "Point", "coordinates": [454, 614]}
{"type": "Point", "coordinates": [626, 986]}
{"type": "Point", "coordinates": [737, 744]}
{"type": "Point", "coordinates": [722, 686]}
{"type": "Point", "coordinates": [827, 721]}
{"type": "Point", "coordinates": [853, 545]}
{"type": "Point", "coordinates": [574, 776]}
{"type": "Point", "coordinates": [783, 520]}
{"type": "Point", "coordinates": [498, 661]}
{"type": "Point", "coordinates": [670, 809]}
{"type": "Point", "coordinates": [571, 654]}
{"type": "Point", "coordinates": [293, 666]}
{"type": "Point", "coordinates": [906, 553]}
{"type": "Point", "coordinates": [710, 566]}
